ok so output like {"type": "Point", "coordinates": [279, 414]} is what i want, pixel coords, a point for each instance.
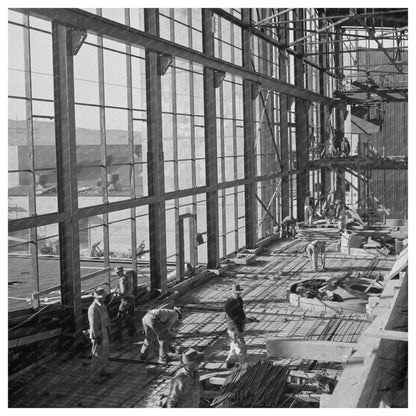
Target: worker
{"type": "Point", "coordinates": [158, 324]}
{"type": "Point", "coordinates": [125, 292]}
{"type": "Point", "coordinates": [330, 213]}
{"type": "Point", "coordinates": [308, 209]}
{"type": "Point", "coordinates": [288, 227]}
{"type": "Point", "coordinates": [185, 389]}
{"type": "Point", "coordinates": [312, 250]}
{"type": "Point", "coordinates": [236, 319]}
{"type": "Point", "coordinates": [99, 334]}
{"type": "Point", "coordinates": [342, 217]}
{"type": "Point", "coordinates": [345, 147]}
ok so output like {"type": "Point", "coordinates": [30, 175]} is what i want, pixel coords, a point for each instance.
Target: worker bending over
{"type": "Point", "coordinates": [184, 389]}
{"type": "Point", "coordinates": [312, 250]}
{"type": "Point", "coordinates": [236, 319]}
{"type": "Point", "coordinates": [288, 227]}
{"type": "Point", "coordinates": [158, 325]}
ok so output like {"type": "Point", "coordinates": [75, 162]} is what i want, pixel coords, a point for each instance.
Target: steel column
{"type": "Point", "coordinates": [33, 238]}
{"type": "Point", "coordinates": [301, 126]}
{"type": "Point", "coordinates": [103, 155]}
{"type": "Point", "coordinates": [249, 140]}
{"type": "Point", "coordinates": [132, 166]}
{"type": "Point", "coordinates": [210, 144]}
{"type": "Point", "coordinates": [157, 219]}
{"type": "Point", "coordinates": [284, 132]}
{"type": "Point", "coordinates": [67, 179]}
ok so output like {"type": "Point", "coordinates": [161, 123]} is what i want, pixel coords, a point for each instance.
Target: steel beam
{"type": "Point", "coordinates": [67, 179]}
{"type": "Point", "coordinates": [210, 127]}
{"type": "Point", "coordinates": [322, 29]}
{"type": "Point", "coordinates": [155, 165]}
{"type": "Point", "coordinates": [97, 25]}
{"type": "Point", "coordinates": [249, 139]}
{"type": "Point", "coordinates": [373, 37]}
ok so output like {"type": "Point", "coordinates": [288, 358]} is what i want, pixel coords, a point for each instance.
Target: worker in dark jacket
{"type": "Point", "coordinates": [184, 389]}
{"type": "Point", "coordinates": [345, 147]}
{"type": "Point", "coordinates": [236, 319]}
{"type": "Point", "coordinates": [158, 324]}
{"type": "Point", "coordinates": [125, 292]}
{"type": "Point", "coordinates": [99, 334]}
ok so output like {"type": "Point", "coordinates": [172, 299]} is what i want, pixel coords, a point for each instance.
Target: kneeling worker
{"type": "Point", "coordinates": [157, 325]}
{"type": "Point", "coordinates": [312, 250]}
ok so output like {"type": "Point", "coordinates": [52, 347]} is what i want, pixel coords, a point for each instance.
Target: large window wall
{"type": "Point", "coordinates": [111, 205]}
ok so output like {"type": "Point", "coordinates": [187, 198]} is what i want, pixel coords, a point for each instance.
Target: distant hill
{"type": "Point", "coordinates": [44, 134]}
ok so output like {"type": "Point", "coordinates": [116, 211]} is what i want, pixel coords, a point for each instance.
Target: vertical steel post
{"type": "Point", "coordinates": [284, 132]}
{"type": "Point", "coordinates": [301, 123]}
{"type": "Point", "coordinates": [33, 238]}
{"type": "Point", "coordinates": [132, 167]}
{"type": "Point", "coordinates": [156, 173]}
{"type": "Point", "coordinates": [210, 143]}
{"type": "Point", "coordinates": [103, 155]}
{"type": "Point", "coordinates": [67, 178]}
{"type": "Point", "coordinates": [249, 140]}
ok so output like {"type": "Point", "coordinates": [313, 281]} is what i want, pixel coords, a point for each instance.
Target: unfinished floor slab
{"type": "Point", "coordinates": [265, 282]}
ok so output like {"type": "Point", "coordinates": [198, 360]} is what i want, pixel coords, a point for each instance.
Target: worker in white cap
{"type": "Point", "coordinates": [313, 249]}
{"type": "Point", "coordinates": [184, 389]}
{"type": "Point", "coordinates": [158, 325]}
{"type": "Point", "coordinates": [99, 334]}
{"type": "Point", "coordinates": [308, 209]}
{"type": "Point", "coordinates": [236, 320]}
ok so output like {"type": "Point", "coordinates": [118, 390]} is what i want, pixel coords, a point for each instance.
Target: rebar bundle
{"type": "Point", "coordinates": [254, 385]}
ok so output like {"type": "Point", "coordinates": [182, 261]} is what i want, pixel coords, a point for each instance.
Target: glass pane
{"type": "Point", "coordinates": [16, 62]}
{"type": "Point", "coordinates": [86, 75]}
{"type": "Point", "coordinates": [120, 238]}
{"type": "Point", "coordinates": [46, 192]}
{"type": "Point", "coordinates": [141, 180]}
{"type": "Point", "coordinates": [20, 271]}
{"type": "Point", "coordinates": [90, 185]}
{"type": "Point", "coordinates": [20, 187]}
{"type": "Point", "coordinates": [41, 64]}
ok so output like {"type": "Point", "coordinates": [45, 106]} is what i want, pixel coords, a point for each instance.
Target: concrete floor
{"type": "Point", "coordinates": [265, 284]}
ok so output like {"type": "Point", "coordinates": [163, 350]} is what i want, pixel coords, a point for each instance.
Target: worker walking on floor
{"type": "Point", "coordinates": [313, 249]}
{"type": "Point", "coordinates": [185, 389]}
{"type": "Point", "coordinates": [236, 319]}
{"type": "Point", "coordinates": [158, 325]}
{"type": "Point", "coordinates": [99, 334]}
{"type": "Point", "coordinates": [125, 313]}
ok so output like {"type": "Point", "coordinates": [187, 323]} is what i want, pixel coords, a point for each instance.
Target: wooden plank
{"type": "Point", "coordinates": [18, 342]}
{"type": "Point", "coordinates": [386, 334]}
{"type": "Point", "coordinates": [308, 349]}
